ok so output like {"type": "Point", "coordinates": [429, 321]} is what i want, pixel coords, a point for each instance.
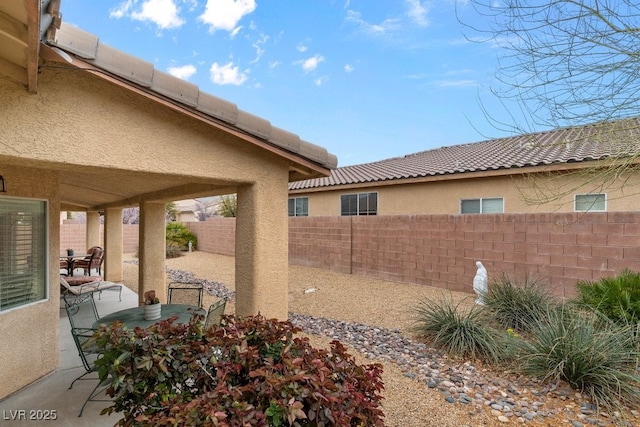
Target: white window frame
{"type": "Point", "coordinates": [295, 206]}
{"type": "Point", "coordinates": [481, 200]}
{"type": "Point", "coordinates": [591, 209]}
{"type": "Point", "coordinates": [358, 209]}
{"type": "Point", "coordinates": [18, 266]}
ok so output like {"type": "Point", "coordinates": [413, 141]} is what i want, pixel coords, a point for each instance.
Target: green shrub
{"type": "Point", "coordinates": [245, 372]}
{"type": "Point", "coordinates": [617, 297]}
{"type": "Point", "coordinates": [515, 304]}
{"type": "Point", "coordinates": [592, 354]}
{"type": "Point", "coordinates": [179, 235]}
{"type": "Point", "coordinates": [172, 250]}
{"type": "Point", "coordinates": [461, 332]}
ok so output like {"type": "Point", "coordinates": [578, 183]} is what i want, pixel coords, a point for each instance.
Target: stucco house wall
{"type": "Point", "coordinates": [78, 125]}
{"type": "Point", "coordinates": [415, 197]}
{"type": "Point", "coordinates": [30, 333]}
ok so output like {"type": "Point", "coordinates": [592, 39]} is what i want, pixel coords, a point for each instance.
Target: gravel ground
{"type": "Point", "coordinates": [374, 318]}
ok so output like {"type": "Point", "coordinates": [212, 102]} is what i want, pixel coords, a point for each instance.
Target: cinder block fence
{"type": "Point", "coordinates": [441, 250]}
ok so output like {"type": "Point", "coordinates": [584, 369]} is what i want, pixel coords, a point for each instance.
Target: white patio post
{"type": "Point", "coordinates": [262, 249]}
{"type": "Point", "coordinates": [113, 244]}
{"type": "Point", "coordinates": [152, 251]}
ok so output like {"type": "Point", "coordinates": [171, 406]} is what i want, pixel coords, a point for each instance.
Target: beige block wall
{"type": "Point", "coordinates": [443, 197]}
{"type": "Point", "coordinates": [30, 333]}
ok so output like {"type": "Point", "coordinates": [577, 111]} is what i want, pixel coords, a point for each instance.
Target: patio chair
{"type": "Point", "coordinates": [77, 287]}
{"type": "Point", "coordinates": [83, 314]}
{"type": "Point", "coordinates": [215, 312]}
{"type": "Point", "coordinates": [92, 262]}
{"type": "Point", "coordinates": [185, 293]}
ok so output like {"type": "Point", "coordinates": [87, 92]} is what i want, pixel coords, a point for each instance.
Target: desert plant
{"type": "Point", "coordinates": [228, 206]}
{"type": "Point", "coordinates": [591, 353]}
{"type": "Point", "coordinates": [179, 235]}
{"type": "Point", "coordinates": [517, 304]}
{"type": "Point", "coordinates": [460, 331]}
{"type": "Point", "coordinates": [249, 372]}
{"type": "Point", "coordinates": [617, 297]}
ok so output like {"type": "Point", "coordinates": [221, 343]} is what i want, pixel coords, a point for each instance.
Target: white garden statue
{"type": "Point", "coordinates": [480, 280]}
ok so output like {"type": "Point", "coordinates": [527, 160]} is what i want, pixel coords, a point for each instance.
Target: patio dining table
{"type": "Point", "coordinates": [132, 317]}
{"type": "Point", "coordinates": [71, 259]}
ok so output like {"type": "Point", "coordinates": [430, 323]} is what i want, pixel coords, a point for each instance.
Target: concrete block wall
{"type": "Point", "coordinates": [215, 235]}
{"type": "Point", "coordinates": [74, 236]}
{"type": "Point", "coordinates": [323, 242]}
{"type": "Point", "coordinates": [558, 249]}
{"type": "Point", "coordinates": [441, 250]}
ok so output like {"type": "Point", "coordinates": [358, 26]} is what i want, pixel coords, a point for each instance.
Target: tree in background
{"type": "Point", "coordinates": [131, 216]}
{"type": "Point", "coordinates": [567, 63]}
{"type": "Point", "coordinates": [171, 212]}
{"type": "Point", "coordinates": [228, 206]}
{"type": "Point", "coordinates": [205, 208]}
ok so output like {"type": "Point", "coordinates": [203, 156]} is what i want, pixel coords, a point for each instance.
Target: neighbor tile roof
{"type": "Point", "coordinates": [568, 145]}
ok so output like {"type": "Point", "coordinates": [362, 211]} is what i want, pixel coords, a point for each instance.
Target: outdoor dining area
{"type": "Point", "coordinates": [65, 395]}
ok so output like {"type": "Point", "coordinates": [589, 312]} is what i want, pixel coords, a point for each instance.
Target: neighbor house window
{"type": "Point", "coordinates": [359, 204]}
{"type": "Point", "coordinates": [482, 206]}
{"type": "Point", "coordinates": [590, 202]}
{"type": "Point", "coordinates": [299, 206]}
{"type": "Point", "coordinates": [23, 252]}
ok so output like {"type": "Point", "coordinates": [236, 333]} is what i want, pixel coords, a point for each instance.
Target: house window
{"type": "Point", "coordinates": [299, 206]}
{"type": "Point", "coordinates": [359, 204]}
{"type": "Point", "coordinates": [23, 252]}
{"type": "Point", "coordinates": [482, 206]}
{"type": "Point", "coordinates": [590, 202]}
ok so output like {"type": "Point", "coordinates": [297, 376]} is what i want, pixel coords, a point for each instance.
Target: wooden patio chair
{"type": "Point", "coordinates": [92, 262]}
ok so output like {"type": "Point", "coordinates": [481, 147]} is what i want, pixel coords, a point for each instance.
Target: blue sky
{"type": "Point", "coordinates": [367, 79]}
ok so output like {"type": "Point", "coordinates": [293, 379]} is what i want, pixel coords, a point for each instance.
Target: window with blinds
{"type": "Point", "coordinates": [299, 206]}
{"type": "Point", "coordinates": [482, 206]}
{"type": "Point", "coordinates": [359, 204]}
{"type": "Point", "coordinates": [23, 252]}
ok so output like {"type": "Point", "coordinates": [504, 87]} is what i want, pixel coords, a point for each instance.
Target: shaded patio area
{"type": "Point", "coordinates": [52, 392]}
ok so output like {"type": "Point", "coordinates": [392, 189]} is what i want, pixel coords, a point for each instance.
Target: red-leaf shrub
{"type": "Point", "coordinates": [246, 372]}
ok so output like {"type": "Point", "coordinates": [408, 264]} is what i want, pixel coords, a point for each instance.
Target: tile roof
{"type": "Point", "coordinates": [88, 48]}
{"type": "Point", "coordinates": [567, 145]}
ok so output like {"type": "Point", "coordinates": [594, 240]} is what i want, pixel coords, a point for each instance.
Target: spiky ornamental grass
{"type": "Point", "coordinates": [592, 354]}
{"type": "Point", "coordinates": [518, 304]}
{"type": "Point", "coordinates": [460, 331]}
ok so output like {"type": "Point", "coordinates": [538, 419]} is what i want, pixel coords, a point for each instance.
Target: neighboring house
{"type": "Point", "coordinates": [543, 172]}
{"type": "Point", "coordinates": [197, 209]}
{"type": "Point", "coordinates": [186, 210]}
{"type": "Point", "coordinates": [85, 127]}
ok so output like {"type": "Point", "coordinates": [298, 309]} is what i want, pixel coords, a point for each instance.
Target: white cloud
{"type": "Point", "coordinates": [258, 45]}
{"type": "Point", "coordinates": [390, 24]}
{"type": "Point", "coordinates": [321, 80]}
{"type": "Point", "coordinates": [164, 13]}
{"type": "Point", "coordinates": [301, 48]}
{"type": "Point", "coordinates": [274, 64]}
{"type": "Point", "coordinates": [184, 72]}
{"type": "Point", "coordinates": [233, 33]}
{"type": "Point", "coordinates": [227, 74]}
{"type": "Point", "coordinates": [348, 68]}
{"type": "Point", "coordinates": [310, 64]}
{"type": "Point", "coordinates": [457, 83]}
{"type": "Point", "coordinates": [418, 12]}
{"type": "Point", "coordinates": [225, 14]}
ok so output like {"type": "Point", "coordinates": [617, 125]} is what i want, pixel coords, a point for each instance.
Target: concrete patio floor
{"type": "Point", "coordinates": [52, 392]}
